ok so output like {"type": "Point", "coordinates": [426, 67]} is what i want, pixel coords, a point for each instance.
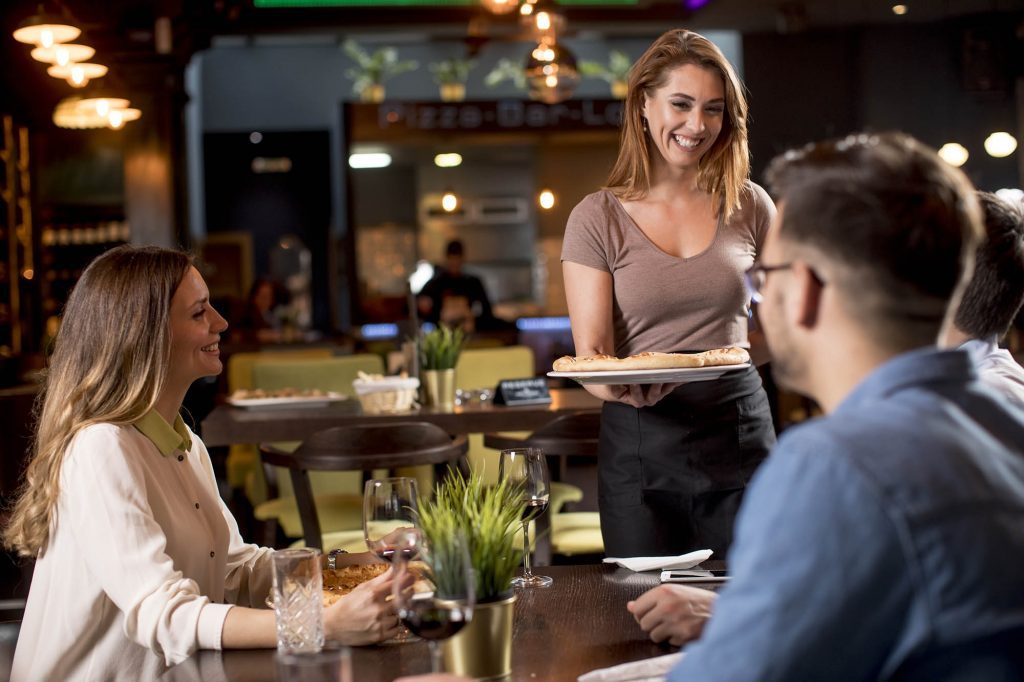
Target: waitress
{"type": "Point", "coordinates": [655, 262]}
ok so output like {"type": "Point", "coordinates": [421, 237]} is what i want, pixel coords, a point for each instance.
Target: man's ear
{"type": "Point", "coordinates": [808, 290]}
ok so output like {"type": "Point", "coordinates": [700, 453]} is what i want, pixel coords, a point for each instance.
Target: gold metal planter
{"type": "Point", "coordinates": [483, 650]}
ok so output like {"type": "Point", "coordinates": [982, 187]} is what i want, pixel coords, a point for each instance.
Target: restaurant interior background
{"type": "Point", "coordinates": [249, 127]}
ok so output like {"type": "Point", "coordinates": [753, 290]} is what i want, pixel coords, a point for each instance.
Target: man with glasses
{"type": "Point", "coordinates": [884, 539]}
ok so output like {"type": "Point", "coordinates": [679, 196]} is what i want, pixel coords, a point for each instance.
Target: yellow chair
{"type": "Point", "coordinates": [484, 368]}
{"type": "Point", "coordinates": [243, 460]}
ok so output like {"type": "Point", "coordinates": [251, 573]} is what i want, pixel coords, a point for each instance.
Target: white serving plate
{"type": "Point", "coordinates": [284, 403]}
{"type": "Point", "coordinates": [681, 375]}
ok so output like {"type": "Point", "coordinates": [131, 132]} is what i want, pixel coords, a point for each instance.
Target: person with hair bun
{"type": "Point", "coordinates": [136, 554]}
{"type": "Point", "coordinates": [655, 262]}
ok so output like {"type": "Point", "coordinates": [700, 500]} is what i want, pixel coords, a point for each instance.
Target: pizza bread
{"type": "Point", "coordinates": [344, 579]}
{"type": "Point", "coordinates": [651, 360]}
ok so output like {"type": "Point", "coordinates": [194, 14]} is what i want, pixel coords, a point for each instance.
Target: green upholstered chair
{"type": "Point", "coordinates": [572, 435]}
{"type": "Point", "coordinates": [243, 459]}
{"type": "Point", "coordinates": [484, 368]}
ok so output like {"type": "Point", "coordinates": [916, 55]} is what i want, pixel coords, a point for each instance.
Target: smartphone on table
{"type": "Point", "coordinates": [694, 575]}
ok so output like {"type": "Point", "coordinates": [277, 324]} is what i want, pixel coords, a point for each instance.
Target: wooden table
{"type": "Point", "coordinates": [228, 425]}
{"type": "Point", "coordinates": [578, 624]}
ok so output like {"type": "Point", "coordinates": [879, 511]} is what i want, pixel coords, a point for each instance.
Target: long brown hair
{"type": "Point", "coordinates": [724, 169]}
{"type": "Point", "coordinates": [109, 364]}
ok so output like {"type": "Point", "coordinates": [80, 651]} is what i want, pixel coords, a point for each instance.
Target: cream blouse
{"type": "Point", "coordinates": [143, 558]}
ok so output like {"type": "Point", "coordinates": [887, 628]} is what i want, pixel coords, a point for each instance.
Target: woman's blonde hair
{"type": "Point", "coordinates": [724, 168]}
{"type": "Point", "coordinates": [109, 365]}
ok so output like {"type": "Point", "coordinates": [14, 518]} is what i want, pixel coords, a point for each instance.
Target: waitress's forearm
{"type": "Point", "coordinates": [246, 628]}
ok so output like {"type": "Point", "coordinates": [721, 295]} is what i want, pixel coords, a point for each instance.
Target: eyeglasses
{"type": "Point", "coordinates": [757, 275]}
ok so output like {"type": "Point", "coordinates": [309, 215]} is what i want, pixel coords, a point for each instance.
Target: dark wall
{"type": "Point", "coordinates": [950, 82]}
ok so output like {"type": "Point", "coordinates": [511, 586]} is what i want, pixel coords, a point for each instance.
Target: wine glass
{"type": "Point", "coordinates": [528, 469]}
{"type": "Point", "coordinates": [389, 518]}
{"type": "Point", "coordinates": [437, 600]}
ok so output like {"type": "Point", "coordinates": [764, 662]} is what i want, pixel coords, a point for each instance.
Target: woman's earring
{"type": "Point", "coordinates": [643, 121]}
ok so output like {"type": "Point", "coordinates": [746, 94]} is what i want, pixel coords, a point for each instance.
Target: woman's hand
{"type": "Point", "coordinates": [365, 615]}
{"type": "Point", "coordinates": [637, 395]}
{"type": "Point", "coordinates": [673, 613]}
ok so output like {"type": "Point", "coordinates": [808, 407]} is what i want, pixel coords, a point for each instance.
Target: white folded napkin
{"type": "Point", "coordinates": [651, 563]}
{"type": "Point", "coordinates": [648, 670]}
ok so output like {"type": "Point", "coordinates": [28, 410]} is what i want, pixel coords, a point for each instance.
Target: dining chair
{"type": "Point", "coordinates": [243, 459]}
{"type": "Point", "coordinates": [483, 368]}
{"type": "Point", "coordinates": [359, 448]}
{"type": "Point", "coordinates": [569, 436]}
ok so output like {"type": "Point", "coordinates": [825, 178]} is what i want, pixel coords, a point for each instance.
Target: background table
{"type": "Point", "coordinates": [578, 624]}
{"type": "Point", "coordinates": [227, 425]}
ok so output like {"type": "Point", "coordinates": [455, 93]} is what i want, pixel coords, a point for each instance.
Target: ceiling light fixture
{"type": "Point", "coordinates": [448, 160]}
{"type": "Point", "coordinates": [499, 6]}
{"type": "Point", "coordinates": [94, 112]}
{"type": "Point", "coordinates": [546, 199]}
{"type": "Point", "coordinates": [449, 201]}
{"type": "Point", "coordinates": [546, 20]}
{"type": "Point", "coordinates": [1000, 144]}
{"type": "Point", "coordinates": [369, 160]}
{"type": "Point", "coordinates": [78, 75]}
{"type": "Point", "coordinates": [551, 72]}
{"type": "Point", "coordinates": [954, 153]}
{"type": "Point", "coordinates": [46, 30]}
{"type": "Point", "coordinates": [64, 54]}
{"type": "Point", "coordinates": [899, 10]}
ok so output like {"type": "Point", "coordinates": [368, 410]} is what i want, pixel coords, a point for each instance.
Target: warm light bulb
{"type": "Point", "coordinates": [899, 10]}
{"type": "Point", "coordinates": [526, 9]}
{"type": "Point", "coordinates": [551, 81]}
{"type": "Point", "coordinates": [543, 21]}
{"type": "Point", "coordinates": [954, 154]}
{"type": "Point", "coordinates": [77, 78]}
{"type": "Point", "coordinates": [63, 55]}
{"type": "Point", "coordinates": [449, 202]}
{"type": "Point", "coordinates": [46, 38]}
{"type": "Point", "coordinates": [102, 107]}
{"type": "Point", "coordinates": [546, 199]}
{"type": "Point", "coordinates": [1000, 144]}
{"type": "Point", "coordinates": [115, 117]}
{"type": "Point", "coordinates": [499, 6]}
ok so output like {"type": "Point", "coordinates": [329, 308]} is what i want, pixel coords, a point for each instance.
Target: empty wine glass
{"type": "Point", "coordinates": [528, 469]}
{"type": "Point", "coordinates": [437, 600]}
{"type": "Point", "coordinates": [389, 518]}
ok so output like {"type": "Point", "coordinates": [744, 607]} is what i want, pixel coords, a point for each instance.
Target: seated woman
{"type": "Point", "coordinates": [136, 554]}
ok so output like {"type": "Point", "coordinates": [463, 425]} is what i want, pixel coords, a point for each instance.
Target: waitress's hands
{"type": "Point", "coordinates": [637, 395]}
{"type": "Point", "coordinates": [365, 615]}
{"type": "Point", "coordinates": [673, 613]}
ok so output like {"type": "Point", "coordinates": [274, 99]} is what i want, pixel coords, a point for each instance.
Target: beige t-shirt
{"type": "Point", "coordinates": [661, 302]}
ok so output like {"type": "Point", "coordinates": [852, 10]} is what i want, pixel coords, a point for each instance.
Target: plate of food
{"type": "Point", "coordinates": [651, 367]}
{"type": "Point", "coordinates": [266, 399]}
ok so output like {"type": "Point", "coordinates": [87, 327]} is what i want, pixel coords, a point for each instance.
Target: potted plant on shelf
{"type": "Point", "coordinates": [506, 70]}
{"type": "Point", "coordinates": [450, 76]}
{"type": "Point", "coordinates": [486, 516]}
{"type": "Point", "coordinates": [439, 351]}
{"type": "Point", "coordinates": [615, 72]}
{"type": "Point", "coordinates": [373, 68]}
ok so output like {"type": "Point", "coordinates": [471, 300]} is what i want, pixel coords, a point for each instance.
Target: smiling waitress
{"type": "Point", "coordinates": [655, 262]}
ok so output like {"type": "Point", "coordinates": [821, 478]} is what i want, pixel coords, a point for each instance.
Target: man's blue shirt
{"type": "Point", "coordinates": [885, 532]}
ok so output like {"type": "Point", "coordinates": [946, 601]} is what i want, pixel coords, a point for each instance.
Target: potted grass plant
{"type": "Point", "coordinates": [373, 68]}
{"type": "Point", "coordinates": [615, 72]}
{"type": "Point", "coordinates": [486, 516]}
{"type": "Point", "coordinates": [439, 351]}
{"type": "Point", "coordinates": [450, 76]}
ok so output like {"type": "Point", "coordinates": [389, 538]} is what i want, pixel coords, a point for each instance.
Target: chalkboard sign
{"type": "Point", "coordinates": [522, 392]}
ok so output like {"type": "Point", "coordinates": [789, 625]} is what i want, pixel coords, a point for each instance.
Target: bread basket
{"type": "Point", "coordinates": [386, 395]}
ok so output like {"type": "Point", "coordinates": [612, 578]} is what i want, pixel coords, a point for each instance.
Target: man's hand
{"type": "Point", "coordinates": [637, 395]}
{"type": "Point", "coordinates": [364, 615]}
{"type": "Point", "coordinates": [673, 613]}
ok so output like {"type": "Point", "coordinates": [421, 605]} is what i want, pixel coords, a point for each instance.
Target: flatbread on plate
{"type": "Point", "coordinates": [651, 360]}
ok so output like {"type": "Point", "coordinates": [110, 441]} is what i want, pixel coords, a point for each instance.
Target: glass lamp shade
{"type": "Point", "coordinates": [46, 30]}
{"type": "Point", "coordinates": [500, 6]}
{"type": "Point", "coordinates": [63, 55]}
{"type": "Point", "coordinates": [551, 73]}
{"type": "Point", "coordinates": [78, 75]}
{"type": "Point", "coordinates": [94, 112]}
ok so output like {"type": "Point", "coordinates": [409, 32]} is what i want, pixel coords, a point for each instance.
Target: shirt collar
{"type": "Point", "coordinates": [165, 437]}
{"type": "Point", "coordinates": [915, 368]}
{"type": "Point", "coordinates": [979, 349]}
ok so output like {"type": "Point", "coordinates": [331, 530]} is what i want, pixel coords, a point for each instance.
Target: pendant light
{"type": "Point", "coordinates": [46, 29]}
{"type": "Point", "coordinates": [63, 54]}
{"type": "Point", "coordinates": [78, 75]}
{"type": "Point", "coordinates": [551, 72]}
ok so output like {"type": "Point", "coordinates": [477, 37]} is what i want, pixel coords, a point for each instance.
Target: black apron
{"type": "Point", "coordinates": [671, 476]}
